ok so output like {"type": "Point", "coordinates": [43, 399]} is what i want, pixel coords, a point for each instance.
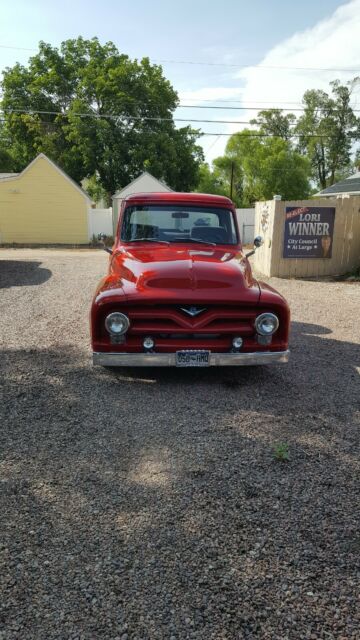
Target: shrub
{"type": "Point", "coordinates": [281, 452]}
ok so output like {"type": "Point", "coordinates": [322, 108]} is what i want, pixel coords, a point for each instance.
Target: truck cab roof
{"type": "Point", "coordinates": [174, 197]}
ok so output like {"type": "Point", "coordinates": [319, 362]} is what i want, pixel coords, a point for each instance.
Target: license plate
{"type": "Point", "coordinates": [192, 358]}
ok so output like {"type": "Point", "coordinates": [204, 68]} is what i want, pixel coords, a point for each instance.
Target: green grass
{"type": "Point", "coordinates": [281, 452]}
{"type": "Point", "coordinates": [354, 274]}
{"type": "Point", "coordinates": [350, 276]}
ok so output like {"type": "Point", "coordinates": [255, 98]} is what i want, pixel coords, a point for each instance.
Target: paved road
{"type": "Point", "coordinates": [148, 504]}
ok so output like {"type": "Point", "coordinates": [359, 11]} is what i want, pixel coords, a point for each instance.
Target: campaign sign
{"type": "Point", "coordinates": [308, 232]}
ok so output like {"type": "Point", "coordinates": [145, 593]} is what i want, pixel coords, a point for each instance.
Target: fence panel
{"type": "Point", "coordinates": [246, 222]}
{"type": "Point", "coordinates": [270, 223]}
{"type": "Point", "coordinates": [100, 221]}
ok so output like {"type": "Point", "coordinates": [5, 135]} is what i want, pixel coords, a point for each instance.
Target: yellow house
{"type": "Point", "coordinates": [43, 205]}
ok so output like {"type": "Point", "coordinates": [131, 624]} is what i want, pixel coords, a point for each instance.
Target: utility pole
{"type": "Point", "coordinates": [232, 180]}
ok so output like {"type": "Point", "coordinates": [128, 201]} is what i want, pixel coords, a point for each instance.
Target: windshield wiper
{"type": "Point", "coordinates": [213, 244]}
{"type": "Point", "coordinates": [147, 240]}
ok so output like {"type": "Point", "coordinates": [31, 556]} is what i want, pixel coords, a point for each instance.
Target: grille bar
{"type": "Point", "coordinates": [172, 320]}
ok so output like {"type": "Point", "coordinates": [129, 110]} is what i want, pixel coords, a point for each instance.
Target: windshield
{"type": "Point", "coordinates": [168, 223]}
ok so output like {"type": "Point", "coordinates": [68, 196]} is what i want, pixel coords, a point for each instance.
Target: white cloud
{"type": "Point", "coordinates": [333, 43]}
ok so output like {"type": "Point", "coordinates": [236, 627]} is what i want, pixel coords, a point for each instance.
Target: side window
{"type": "Point", "coordinates": [230, 225]}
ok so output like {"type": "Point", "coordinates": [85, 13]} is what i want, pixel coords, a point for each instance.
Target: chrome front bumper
{"type": "Point", "coordinates": [168, 359]}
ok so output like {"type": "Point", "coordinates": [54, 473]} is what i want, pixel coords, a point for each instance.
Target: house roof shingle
{"type": "Point", "coordinates": [8, 175]}
{"type": "Point", "coordinates": [350, 185]}
{"type": "Point", "coordinates": [144, 173]}
{"type": "Point", "coordinates": [13, 176]}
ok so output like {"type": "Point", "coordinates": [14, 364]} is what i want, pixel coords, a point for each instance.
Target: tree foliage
{"type": "Point", "coordinates": [218, 179]}
{"type": "Point", "coordinates": [269, 166]}
{"type": "Point", "coordinates": [96, 111]}
{"type": "Point", "coordinates": [6, 159]}
{"type": "Point", "coordinates": [292, 156]}
{"type": "Point", "coordinates": [260, 168]}
{"type": "Point", "coordinates": [101, 115]}
{"type": "Point", "coordinates": [327, 130]}
{"type": "Point", "coordinates": [210, 181]}
{"type": "Point", "coordinates": [274, 122]}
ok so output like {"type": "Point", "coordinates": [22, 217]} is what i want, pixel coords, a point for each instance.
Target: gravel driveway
{"type": "Point", "coordinates": [148, 504]}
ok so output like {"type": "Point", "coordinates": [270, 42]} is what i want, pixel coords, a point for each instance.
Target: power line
{"type": "Point", "coordinates": [256, 66]}
{"type": "Point", "coordinates": [231, 108]}
{"type": "Point", "coordinates": [116, 117]}
{"type": "Point", "coordinates": [195, 106]}
{"type": "Point", "coordinates": [252, 102]}
{"type": "Point", "coordinates": [211, 133]}
{"type": "Point", "coordinates": [111, 116]}
{"type": "Point", "coordinates": [246, 101]}
{"type": "Point", "coordinates": [228, 108]}
{"type": "Point", "coordinates": [264, 135]}
{"type": "Point", "coordinates": [6, 46]}
{"type": "Point", "coordinates": [222, 64]}
{"type": "Point", "coordinates": [211, 146]}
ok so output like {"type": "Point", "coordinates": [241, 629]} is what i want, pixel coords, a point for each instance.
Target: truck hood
{"type": "Point", "coordinates": [163, 273]}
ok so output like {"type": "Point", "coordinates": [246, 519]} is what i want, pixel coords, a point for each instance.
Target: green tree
{"type": "Point", "coordinates": [96, 111]}
{"type": "Point", "coordinates": [274, 122]}
{"type": "Point", "coordinates": [268, 166]}
{"type": "Point", "coordinates": [95, 190]}
{"type": "Point", "coordinates": [356, 163]}
{"type": "Point", "coordinates": [6, 159]}
{"type": "Point", "coordinates": [230, 173]}
{"type": "Point", "coordinates": [211, 182]}
{"type": "Point", "coordinates": [327, 130]}
{"type": "Point", "coordinates": [218, 179]}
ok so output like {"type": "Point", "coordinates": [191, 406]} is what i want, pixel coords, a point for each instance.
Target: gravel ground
{"type": "Point", "coordinates": [148, 504]}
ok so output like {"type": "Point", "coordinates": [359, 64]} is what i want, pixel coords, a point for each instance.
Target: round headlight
{"type": "Point", "coordinates": [117, 323]}
{"type": "Point", "coordinates": [266, 324]}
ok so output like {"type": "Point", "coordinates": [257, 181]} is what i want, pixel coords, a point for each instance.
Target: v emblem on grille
{"type": "Point", "coordinates": [192, 311]}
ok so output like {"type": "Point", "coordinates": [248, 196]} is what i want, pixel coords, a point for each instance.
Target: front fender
{"type": "Point", "coordinates": [108, 295]}
{"type": "Point", "coordinates": [272, 300]}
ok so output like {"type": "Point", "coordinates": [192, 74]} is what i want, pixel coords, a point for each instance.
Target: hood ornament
{"type": "Point", "coordinates": [193, 311]}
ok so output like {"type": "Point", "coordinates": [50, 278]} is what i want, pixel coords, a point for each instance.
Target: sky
{"type": "Point", "coordinates": [232, 53]}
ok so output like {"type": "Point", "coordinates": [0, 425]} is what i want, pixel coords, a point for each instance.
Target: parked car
{"type": "Point", "coordinates": [180, 293]}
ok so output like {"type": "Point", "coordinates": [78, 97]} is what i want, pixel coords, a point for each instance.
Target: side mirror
{"type": "Point", "coordinates": [101, 238]}
{"type": "Point", "coordinates": [258, 241]}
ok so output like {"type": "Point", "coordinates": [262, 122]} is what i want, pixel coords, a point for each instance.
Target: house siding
{"type": "Point", "coordinates": [42, 206]}
{"type": "Point", "coordinates": [145, 183]}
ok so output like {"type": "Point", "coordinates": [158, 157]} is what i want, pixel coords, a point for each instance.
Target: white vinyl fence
{"type": "Point", "coordinates": [100, 221]}
{"type": "Point", "coordinates": [246, 222]}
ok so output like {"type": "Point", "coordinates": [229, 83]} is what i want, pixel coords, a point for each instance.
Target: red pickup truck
{"type": "Point", "coordinates": [180, 291]}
